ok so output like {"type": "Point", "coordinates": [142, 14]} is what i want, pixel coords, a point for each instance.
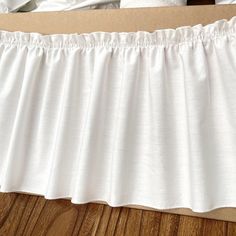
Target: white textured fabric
{"type": "Point", "coordinates": [124, 118]}
{"type": "Point", "coordinates": [151, 3]}
{"type": "Point", "coordinates": [3, 8]}
{"type": "Point", "coordinates": [55, 5]}
{"type": "Point", "coordinates": [11, 5]}
{"type": "Point", "coordinates": [225, 1]}
{"type": "Point", "coordinates": [66, 5]}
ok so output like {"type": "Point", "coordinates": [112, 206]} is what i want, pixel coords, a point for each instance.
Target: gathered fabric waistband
{"type": "Point", "coordinates": [139, 118]}
{"type": "Point", "coordinates": [162, 37]}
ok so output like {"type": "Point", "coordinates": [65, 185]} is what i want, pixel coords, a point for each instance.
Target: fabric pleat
{"type": "Point", "coordinates": [7, 6]}
{"type": "Point", "coordinates": [151, 3]}
{"type": "Point", "coordinates": [133, 118]}
{"type": "Point", "coordinates": [225, 1]}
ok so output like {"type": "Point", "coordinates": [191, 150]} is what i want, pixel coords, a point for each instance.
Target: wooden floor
{"type": "Point", "coordinates": [32, 215]}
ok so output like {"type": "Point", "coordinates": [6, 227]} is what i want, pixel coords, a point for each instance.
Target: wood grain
{"type": "Point", "coordinates": [150, 223]}
{"type": "Point", "coordinates": [169, 225]}
{"type": "Point", "coordinates": [231, 229]}
{"type": "Point", "coordinates": [190, 226]}
{"type": "Point", "coordinates": [32, 215]}
{"type": "Point", "coordinates": [214, 228]}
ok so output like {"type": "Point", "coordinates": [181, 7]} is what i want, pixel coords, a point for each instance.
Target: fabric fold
{"type": "Point", "coordinates": [151, 3]}
{"type": "Point", "coordinates": [132, 118]}
{"type": "Point", "coordinates": [55, 5]}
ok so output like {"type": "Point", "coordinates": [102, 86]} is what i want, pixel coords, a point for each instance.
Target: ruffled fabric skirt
{"type": "Point", "coordinates": [125, 118]}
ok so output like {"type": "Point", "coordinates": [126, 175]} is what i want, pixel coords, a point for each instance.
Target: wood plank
{"type": "Point", "coordinates": [214, 228]}
{"type": "Point", "coordinates": [122, 221]}
{"type": "Point", "coordinates": [190, 226]}
{"type": "Point", "coordinates": [91, 219]}
{"type": "Point", "coordinates": [115, 215]}
{"type": "Point", "coordinates": [134, 222]}
{"type": "Point", "coordinates": [169, 224]}
{"type": "Point", "coordinates": [81, 211]}
{"type": "Point", "coordinates": [150, 223]}
{"type": "Point", "coordinates": [103, 224]}
{"type": "Point", "coordinates": [36, 212]}
{"type": "Point", "coordinates": [10, 212]}
{"type": "Point", "coordinates": [231, 229]}
{"type": "Point", "coordinates": [26, 216]}
{"type": "Point", "coordinates": [53, 217]}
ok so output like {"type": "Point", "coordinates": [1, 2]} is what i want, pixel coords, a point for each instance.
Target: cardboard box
{"type": "Point", "coordinates": [124, 20]}
{"type": "Point", "coordinates": [145, 19]}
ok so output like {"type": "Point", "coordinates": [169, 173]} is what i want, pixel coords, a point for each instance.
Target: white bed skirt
{"type": "Point", "coordinates": [125, 118]}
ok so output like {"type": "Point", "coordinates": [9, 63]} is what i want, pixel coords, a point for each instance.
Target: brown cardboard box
{"type": "Point", "coordinates": [146, 19]}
